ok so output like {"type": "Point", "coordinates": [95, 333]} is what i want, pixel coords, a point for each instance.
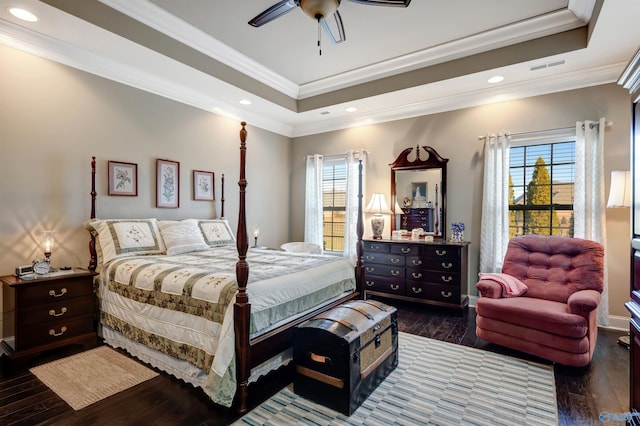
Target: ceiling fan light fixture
{"type": "Point", "coordinates": [319, 9]}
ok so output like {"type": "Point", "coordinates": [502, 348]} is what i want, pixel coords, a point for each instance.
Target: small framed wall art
{"type": "Point", "coordinates": [123, 178]}
{"type": "Point", "coordinates": [203, 188]}
{"type": "Point", "coordinates": [167, 183]}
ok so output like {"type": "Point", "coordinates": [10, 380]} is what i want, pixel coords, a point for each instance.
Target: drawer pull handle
{"type": "Point", "coordinates": [405, 250]}
{"type": "Point", "coordinates": [446, 294]}
{"type": "Point", "coordinates": [416, 290]}
{"type": "Point", "coordinates": [395, 260]}
{"type": "Point", "coordinates": [395, 273]}
{"type": "Point", "coordinates": [53, 293]}
{"type": "Point", "coordinates": [63, 311]}
{"type": "Point", "coordinates": [371, 269]}
{"type": "Point", "coordinates": [370, 283]}
{"type": "Point", "coordinates": [446, 279]}
{"type": "Point", "coordinates": [368, 257]}
{"type": "Point", "coordinates": [423, 224]}
{"type": "Point", "coordinates": [447, 265]}
{"type": "Point", "coordinates": [416, 262]}
{"type": "Point", "coordinates": [394, 286]}
{"type": "Point", "coordinates": [53, 333]}
{"type": "Point", "coordinates": [416, 274]}
{"type": "Point", "coordinates": [376, 247]}
{"type": "Point", "coordinates": [420, 211]}
{"type": "Point", "coordinates": [441, 252]}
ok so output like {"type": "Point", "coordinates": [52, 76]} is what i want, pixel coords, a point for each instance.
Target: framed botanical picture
{"type": "Point", "coordinates": [123, 178]}
{"type": "Point", "coordinates": [203, 188]}
{"type": "Point", "coordinates": [167, 183]}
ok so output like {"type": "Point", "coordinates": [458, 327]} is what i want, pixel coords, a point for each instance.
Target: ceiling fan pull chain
{"type": "Point", "coordinates": [319, 37]}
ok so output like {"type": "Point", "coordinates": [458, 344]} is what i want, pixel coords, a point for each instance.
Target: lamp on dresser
{"type": "Point", "coordinates": [378, 206]}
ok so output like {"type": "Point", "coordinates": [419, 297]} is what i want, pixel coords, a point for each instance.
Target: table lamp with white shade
{"type": "Point", "coordinates": [378, 206]}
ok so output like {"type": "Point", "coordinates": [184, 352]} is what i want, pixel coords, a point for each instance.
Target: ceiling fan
{"type": "Point", "coordinates": [323, 11]}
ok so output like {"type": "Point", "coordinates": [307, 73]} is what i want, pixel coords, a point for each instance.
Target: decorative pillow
{"type": "Point", "coordinates": [216, 232]}
{"type": "Point", "coordinates": [126, 237]}
{"type": "Point", "coordinates": [511, 286]}
{"type": "Point", "coordinates": [182, 236]}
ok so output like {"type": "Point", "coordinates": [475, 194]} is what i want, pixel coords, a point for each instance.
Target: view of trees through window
{"type": "Point", "coordinates": [541, 184]}
{"type": "Point", "coordinates": [334, 197]}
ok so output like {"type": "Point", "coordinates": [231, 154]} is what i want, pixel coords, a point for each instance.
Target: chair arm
{"type": "Point", "coordinates": [489, 288]}
{"type": "Point", "coordinates": [583, 301]}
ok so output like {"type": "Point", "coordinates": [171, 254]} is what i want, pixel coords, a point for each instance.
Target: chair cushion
{"type": "Point", "coordinates": [555, 267]}
{"type": "Point", "coordinates": [538, 314]}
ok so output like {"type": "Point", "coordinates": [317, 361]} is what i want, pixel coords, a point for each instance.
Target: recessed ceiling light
{"type": "Point", "coordinates": [25, 15]}
{"type": "Point", "coordinates": [351, 109]}
{"type": "Point", "coordinates": [245, 102]}
{"type": "Point", "coordinates": [496, 79]}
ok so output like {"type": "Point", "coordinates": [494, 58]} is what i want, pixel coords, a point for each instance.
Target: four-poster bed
{"type": "Point", "coordinates": [193, 290]}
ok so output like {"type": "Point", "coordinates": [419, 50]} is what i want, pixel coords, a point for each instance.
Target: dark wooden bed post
{"type": "Point", "coordinates": [93, 258]}
{"type": "Point", "coordinates": [222, 199]}
{"type": "Point", "coordinates": [360, 231]}
{"type": "Point", "coordinates": [242, 307]}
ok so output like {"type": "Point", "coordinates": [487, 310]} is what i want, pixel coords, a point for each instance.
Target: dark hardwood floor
{"type": "Point", "coordinates": [582, 393]}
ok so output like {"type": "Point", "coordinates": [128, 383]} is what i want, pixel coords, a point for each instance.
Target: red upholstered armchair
{"type": "Point", "coordinates": [555, 318]}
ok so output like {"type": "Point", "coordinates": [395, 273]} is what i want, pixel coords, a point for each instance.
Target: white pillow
{"type": "Point", "coordinates": [216, 232]}
{"type": "Point", "coordinates": [126, 237]}
{"type": "Point", "coordinates": [182, 236]}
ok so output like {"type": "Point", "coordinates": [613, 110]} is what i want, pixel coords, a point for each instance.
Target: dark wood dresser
{"type": "Point", "coordinates": [630, 79]}
{"type": "Point", "coordinates": [418, 218]}
{"type": "Point", "coordinates": [46, 312]}
{"type": "Point", "coordinates": [433, 273]}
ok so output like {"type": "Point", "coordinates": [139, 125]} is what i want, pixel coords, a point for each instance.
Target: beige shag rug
{"type": "Point", "coordinates": [91, 376]}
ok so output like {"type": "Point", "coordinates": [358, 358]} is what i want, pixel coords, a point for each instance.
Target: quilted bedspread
{"type": "Point", "coordinates": [179, 304]}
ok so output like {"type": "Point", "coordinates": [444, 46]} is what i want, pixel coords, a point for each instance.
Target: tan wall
{"type": "Point", "coordinates": [54, 118]}
{"type": "Point", "coordinates": [455, 136]}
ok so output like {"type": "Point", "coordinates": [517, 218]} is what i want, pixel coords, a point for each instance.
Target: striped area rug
{"type": "Point", "coordinates": [435, 383]}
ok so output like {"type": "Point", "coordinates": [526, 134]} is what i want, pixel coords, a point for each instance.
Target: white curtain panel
{"type": "Point", "coordinates": [353, 171]}
{"type": "Point", "coordinates": [313, 232]}
{"type": "Point", "coordinates": [494, 232]}
{"type": "Point", "coordinates": [589, 198]}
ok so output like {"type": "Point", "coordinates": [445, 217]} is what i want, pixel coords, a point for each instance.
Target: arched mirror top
{"type": "Point", "coordinates": [419, 189]}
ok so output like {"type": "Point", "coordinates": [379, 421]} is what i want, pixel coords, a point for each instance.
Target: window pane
{"type": "Point", "coordinates": [541, 189]}
{"type": "Point", "coordinates": [334, 184]}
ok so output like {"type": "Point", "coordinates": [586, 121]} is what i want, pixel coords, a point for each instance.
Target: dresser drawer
{"type": "Point", "coordinates": [434, 264]}
{"type": "Point", "coordinates": [376, 247]}
{"type": "Point", "coordinates": [63, 309]}
{"type": "Point", "coordinates": [405, 249]}
{"type": "Point", "coordinates": [435, 277]}
{"type": "Point", "coordinates": [53, 331]}
{"type": "Point", "coordinates": [440, 293]}
{"type": "Point", "coordinates": [384, 270]}
{"type": "Point", "coordinates": [384, 259]}
{"type": "Point", "coordinates": [384, 284]}
{"type": "Point", "coordinates": [53, 291]}
{"type": "Point", "coordinates": [439, 251]}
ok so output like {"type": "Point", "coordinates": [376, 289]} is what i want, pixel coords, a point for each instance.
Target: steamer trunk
{"type": "Point", "coordinates": [343, 354]}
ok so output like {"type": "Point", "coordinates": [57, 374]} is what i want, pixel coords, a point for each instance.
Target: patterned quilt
{"type": "Point", "coordinates": [178, 304]}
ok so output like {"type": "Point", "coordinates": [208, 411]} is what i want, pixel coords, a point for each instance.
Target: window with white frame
{"type": "Point", "coordinates": [541, 187]}
{"type": "Point", "coordinates": [334, 202]}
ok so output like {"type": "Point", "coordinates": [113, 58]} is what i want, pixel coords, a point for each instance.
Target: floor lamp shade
{"type": "Point", "coordinates": [378, 206]}
{"type": "Point", "coordinates": [620, 191]}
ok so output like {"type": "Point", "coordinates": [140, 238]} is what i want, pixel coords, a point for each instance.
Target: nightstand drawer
{"type": "Point", "coordinates": [53, 291]}
{"type": "Point", "coordinates": [49, 312]}
{"type": "Point", "coordinates": [53, 332]}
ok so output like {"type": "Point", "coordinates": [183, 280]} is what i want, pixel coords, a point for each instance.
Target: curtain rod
{"type": "Point", "coordinates": [607, 124]}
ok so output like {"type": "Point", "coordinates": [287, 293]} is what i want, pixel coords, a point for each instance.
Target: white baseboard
{"type": "Point", "coordinates": [616, 322]}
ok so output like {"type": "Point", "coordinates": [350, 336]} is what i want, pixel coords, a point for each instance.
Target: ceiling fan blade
{"type": "Point", "coordinates": [396, 3]}
{"type": "Point", "coordinates": [275, 11]}
{"type": "Point", "coordinates": [333, 27]}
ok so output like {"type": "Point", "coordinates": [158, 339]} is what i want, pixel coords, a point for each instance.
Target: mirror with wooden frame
{"type": "Point", "coordinates": [419, 189]}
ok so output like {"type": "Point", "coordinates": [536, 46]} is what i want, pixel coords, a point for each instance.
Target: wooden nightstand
{"type": "Point", "coordinates": [46, 312]}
